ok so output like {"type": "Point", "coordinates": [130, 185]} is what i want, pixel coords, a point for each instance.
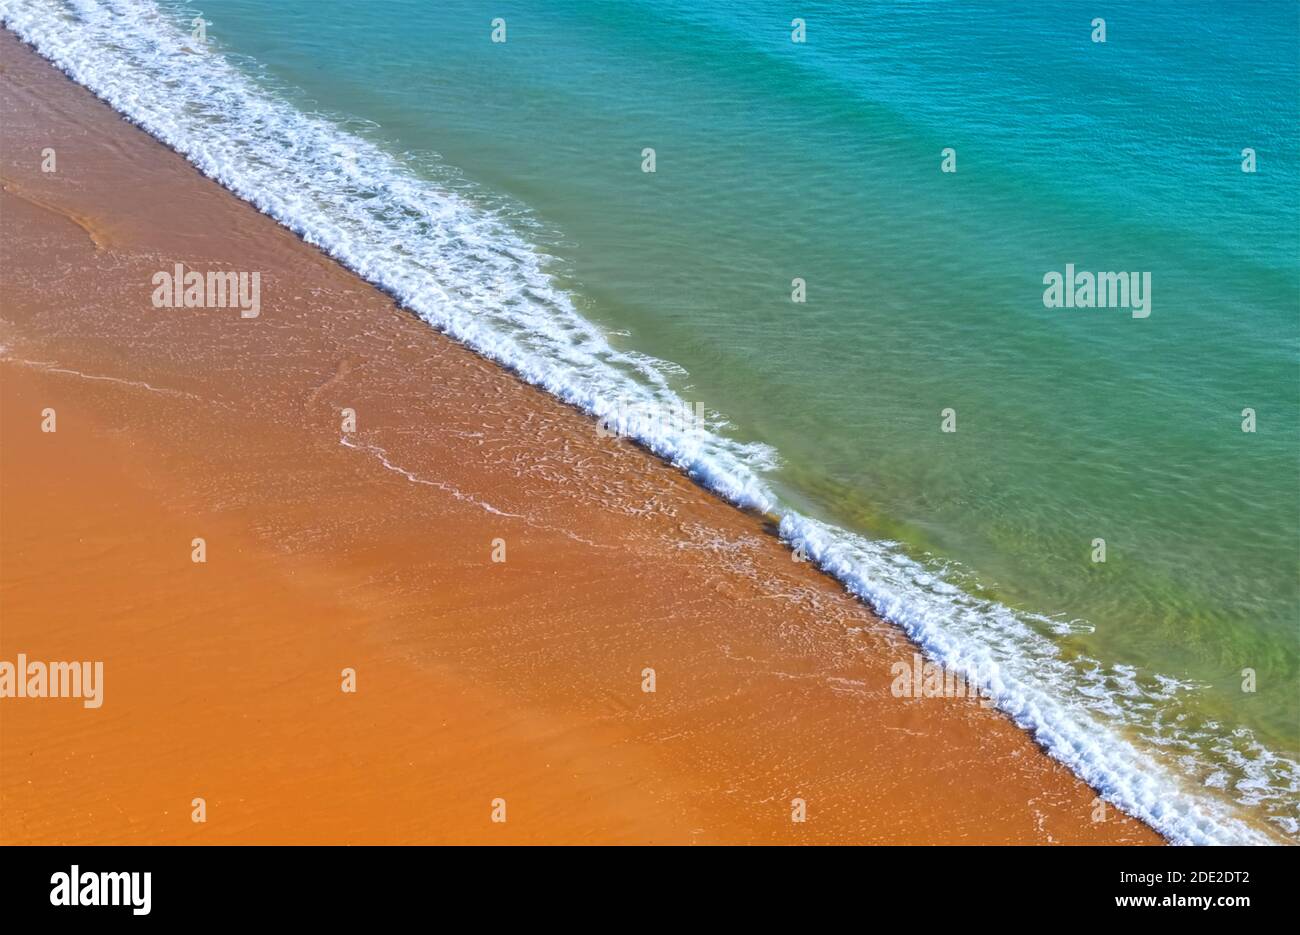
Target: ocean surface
{"type": "Point", "coordinates": [497, 189]}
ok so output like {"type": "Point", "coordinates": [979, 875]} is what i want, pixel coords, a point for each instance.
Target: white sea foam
{"type": "Point", "coordinates": [466, 271]}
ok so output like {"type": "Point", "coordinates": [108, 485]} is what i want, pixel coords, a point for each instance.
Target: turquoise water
{"type": "Point", "coordinates": [821, 160]}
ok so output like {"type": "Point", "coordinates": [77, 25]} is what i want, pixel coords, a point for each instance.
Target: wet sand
{"type": "Point", "coordinates": [373, 550]}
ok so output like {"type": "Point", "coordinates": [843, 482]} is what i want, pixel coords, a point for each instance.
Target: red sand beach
{"type": "Point", "coordinates": [476, 680]}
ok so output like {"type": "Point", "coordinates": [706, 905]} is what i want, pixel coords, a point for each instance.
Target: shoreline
{"type": "Point", "coordinates": [772, 683]}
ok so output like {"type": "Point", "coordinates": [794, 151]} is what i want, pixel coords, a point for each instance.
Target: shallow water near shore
{"type": "Point", "coordinates": [820, 161]}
